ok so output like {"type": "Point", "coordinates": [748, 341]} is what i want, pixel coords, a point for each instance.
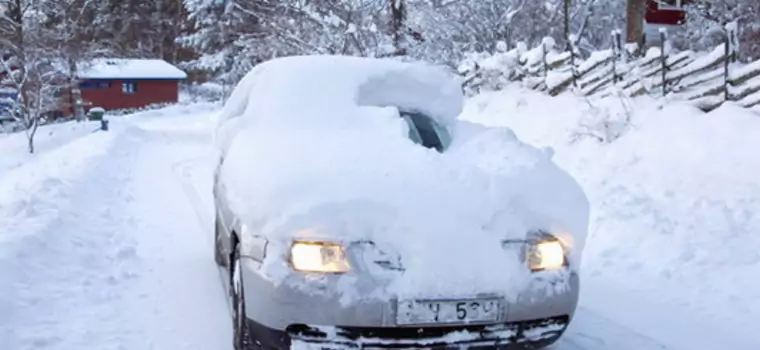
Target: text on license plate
{"type": "Point", "coordinates": [417, 312]}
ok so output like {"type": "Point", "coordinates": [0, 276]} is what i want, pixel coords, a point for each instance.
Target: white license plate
{"type": "Point", "coordinates": [421, 312]}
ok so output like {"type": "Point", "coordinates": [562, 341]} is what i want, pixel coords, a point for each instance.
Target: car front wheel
{"type": "Point", "coordinates": [240, 321]}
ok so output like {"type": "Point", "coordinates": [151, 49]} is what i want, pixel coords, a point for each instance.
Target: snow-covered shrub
{"type": "Point", "coordinates": [96, 113]}
{"type": "Point", "coordinates": [605, 120]}
{"type": "Point", "coordinates": [205, 92]}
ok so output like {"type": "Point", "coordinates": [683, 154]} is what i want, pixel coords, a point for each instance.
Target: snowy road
{"type": "Point", "coordinates": [134, 269]}
{"type": "Point", "coordinates": [112, 257]}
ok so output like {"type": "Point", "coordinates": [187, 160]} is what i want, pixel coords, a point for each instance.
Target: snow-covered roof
{"type": "Point", "coordinates": [123, 68]}
{"type": "Point", "coordinates": [326, 89]}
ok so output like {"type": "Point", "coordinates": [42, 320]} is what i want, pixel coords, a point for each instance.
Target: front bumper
{"type": "Point", "coordinates": [532, 334]}
{"type": "Point", "coordinates": [312, 314]}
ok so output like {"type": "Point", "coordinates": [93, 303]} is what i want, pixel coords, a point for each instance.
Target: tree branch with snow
{"type": "Point", "coordinates": [30, 69]}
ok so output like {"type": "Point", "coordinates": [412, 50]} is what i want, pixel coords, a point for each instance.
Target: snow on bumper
{"type": "Point", "coordinates": [283, 312]}
{"type": "Point", "coordinates": [528, 334]}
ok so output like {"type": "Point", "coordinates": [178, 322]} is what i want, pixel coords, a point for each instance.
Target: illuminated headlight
{"type": "Point", "coordinates": [546, 255]}
{"type": "Point", "coordinates": [319, 257]}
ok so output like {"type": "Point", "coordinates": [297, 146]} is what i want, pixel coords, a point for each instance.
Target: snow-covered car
{"type": "Point", "coordinates": [354, 209]}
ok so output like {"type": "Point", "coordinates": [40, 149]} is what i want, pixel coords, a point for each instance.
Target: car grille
{"type": "Point", "coordinates": [501, 335]}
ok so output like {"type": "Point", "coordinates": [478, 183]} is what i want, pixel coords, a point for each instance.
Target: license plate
{"type": "Point", "coordinates": [421, 312]}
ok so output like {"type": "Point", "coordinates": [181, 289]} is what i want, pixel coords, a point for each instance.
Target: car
{"type": "Point", "coordinates": [355, 209]}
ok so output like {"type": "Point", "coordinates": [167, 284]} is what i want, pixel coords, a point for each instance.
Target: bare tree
{"type": "Point", "coordinates": [566, 20]}
{"type": "Point", "coordinates": [72, 37]}
{"type": "Point", "coordinates": [254, 30]}
{"type": "Point", "coordinates": [706, 20]}
{"type": "Point", "coordinates": [398, 19]}
{"type": "Point", "coordinates": [30, 68]}
{"type": "Point", "coordinates": [436, 30]}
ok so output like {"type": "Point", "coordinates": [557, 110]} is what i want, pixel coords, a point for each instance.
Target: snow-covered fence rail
{"type": "Point", "coordinates": [705, 79]}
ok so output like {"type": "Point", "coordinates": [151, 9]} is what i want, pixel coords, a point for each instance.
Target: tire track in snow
{"type": "Point", "coordinates": [179, 305]}
{"type": "Point", "coordinates": [183, 171]}
{"type": "Point", "coordinates": [184, 174]}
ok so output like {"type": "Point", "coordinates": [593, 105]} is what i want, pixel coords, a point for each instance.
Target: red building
{"type": "Point", "coordinates": [666, 12]}
{"type": "Point", "coordinates": [663, 14]}
{"type": "Point", "coordinates": [129, 83]}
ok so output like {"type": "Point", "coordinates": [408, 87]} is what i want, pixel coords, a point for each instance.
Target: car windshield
{"type": "Point", "coordinates": [426, 131]}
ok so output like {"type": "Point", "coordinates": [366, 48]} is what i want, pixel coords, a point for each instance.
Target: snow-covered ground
{"type": "Point", "coordinates": [105, 237]}
{"type": "Point", "coordinates": [673, 244]}
{"type": "Point", "coordinates": [100, 247]}
{"type": "Point", "coordinates": [13, 146]}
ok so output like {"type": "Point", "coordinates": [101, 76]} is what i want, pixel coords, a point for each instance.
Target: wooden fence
{"type": "Point", "coordinates": [705, 79]}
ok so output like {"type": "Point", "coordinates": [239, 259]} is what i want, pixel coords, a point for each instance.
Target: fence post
{"type": "Point", "coordinates": [664, 59]}
{"type": "Point", "coordinates": [571, 46]}
{"type": "Point", "coordinates": [543, 55]}
{"type": "Point", "coordinates": [726, 95]}
{"type": "Point", "coordinates": [730, 52]}
{"type": "Point", "coordinates": [621, 54]}
{"type": "Point", "coordinates": [614, 57]}
{"type": "Point", "coordinates": [641, 51]}
{"type": "Point", "coordinates": [508, 38]}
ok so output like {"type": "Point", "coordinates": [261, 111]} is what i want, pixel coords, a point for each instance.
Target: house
{"type": "Point", "coordinates": [128, 83]}
{"type": "Point", "coordinates": [663, 14]}
{"type": "Point", "coordinates": [666, 12]}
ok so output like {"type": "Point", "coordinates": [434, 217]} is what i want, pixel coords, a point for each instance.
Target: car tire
{"type": "Point", "coordinates": [219, 258]}
{"type": "Point", "coordinates": [241, 337]}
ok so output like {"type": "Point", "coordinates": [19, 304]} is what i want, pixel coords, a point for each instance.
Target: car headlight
{"type": "Point", "coordinates": [546, 254]}
{"type": "Point", "coordinates": [319, 257]}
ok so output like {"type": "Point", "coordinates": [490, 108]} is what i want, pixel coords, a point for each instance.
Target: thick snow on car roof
{"type": "Point", "coordinates": [314, 155]}
{"type": "Point", "coordinates": [327, 89]}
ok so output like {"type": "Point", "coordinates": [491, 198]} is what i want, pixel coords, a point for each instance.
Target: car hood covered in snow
{"type": "Point", "coordinates": [349, 173]}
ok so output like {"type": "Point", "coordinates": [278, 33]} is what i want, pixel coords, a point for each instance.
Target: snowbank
{"type": "Point", "coordinates": [672, 199]}
{"type": "Point", "coordinates": [14, 146]}
{"type": "Point", "coordinates": [331, 163]}
{"type": "Point", "coordinates": [96, 238]}
{"type": "Point", "coordinates": [28, 192]}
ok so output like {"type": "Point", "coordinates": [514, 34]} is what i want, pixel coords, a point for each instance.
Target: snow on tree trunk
{"type": "Point", "coordinates": [30, 133]}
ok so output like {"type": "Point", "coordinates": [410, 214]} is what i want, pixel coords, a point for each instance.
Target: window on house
{"type": "Point", "coordinates": [129, 87]}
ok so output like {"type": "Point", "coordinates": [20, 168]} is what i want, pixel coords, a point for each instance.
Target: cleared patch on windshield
{"type": "Point", "coordinates": [424, 131]}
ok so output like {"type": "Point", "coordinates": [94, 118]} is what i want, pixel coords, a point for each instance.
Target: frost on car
{"type": "Point", "coordinates": [353, 209]}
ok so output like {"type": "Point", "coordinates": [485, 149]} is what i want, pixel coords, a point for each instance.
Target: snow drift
{"type": "Point", "coordinates": [674, 199]}
{"type": "Point", "coordinates": [307, 160]}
